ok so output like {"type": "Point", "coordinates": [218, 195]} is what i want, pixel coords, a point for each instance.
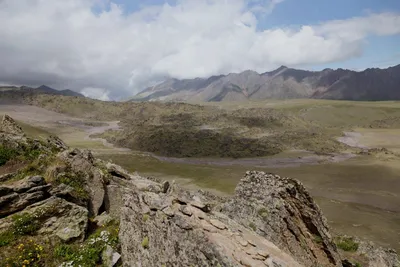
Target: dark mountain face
{"type": "Point", "coordinates": [13, 93]}
{"type": "Point", "coordinates": [282, 83]}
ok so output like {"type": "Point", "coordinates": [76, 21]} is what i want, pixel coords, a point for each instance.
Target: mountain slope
{"type": "Point", "coordinates": [282, 83]}
{"type": "Point", "coordinates": [43, 89]}
{"type": "Point", "coordinates": [13, 94]}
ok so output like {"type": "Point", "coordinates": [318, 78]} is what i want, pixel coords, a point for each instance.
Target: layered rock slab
{"type": "Point", "coordinates": [282, 211]}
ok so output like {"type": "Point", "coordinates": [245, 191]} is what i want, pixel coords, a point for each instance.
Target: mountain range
{"type": "Point", "coordinates": [43, 89]}
{"type": "Point", "coordinates": [372, 84]}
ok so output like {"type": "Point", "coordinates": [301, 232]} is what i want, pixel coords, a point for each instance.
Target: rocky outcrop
{"type": "Point", "coordinates": [177, 228]}
{"type": "Point", "coordinates": [82, 163]}
{"type": "Point", "coordinates": [8, 125]}
{"type": "Point", "coordinates": [281, 210]}
{"type": "Point", "coordinates": [18, 196]}
{"type": "Point", "coordinates": [367, 254]}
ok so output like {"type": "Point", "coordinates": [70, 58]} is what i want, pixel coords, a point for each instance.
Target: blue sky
{"type": "Point", "coordinates": [115, 48]}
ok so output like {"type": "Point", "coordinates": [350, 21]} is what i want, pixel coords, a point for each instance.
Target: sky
{"type": "Point", "coordinates": [112, 49]}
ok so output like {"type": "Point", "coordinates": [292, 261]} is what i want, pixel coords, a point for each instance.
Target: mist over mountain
{"type": "Point", "coordinates": [283, 83]}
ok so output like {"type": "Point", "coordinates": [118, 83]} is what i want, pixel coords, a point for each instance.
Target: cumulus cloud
{"type": "Point", "coordinates": [89, 44]}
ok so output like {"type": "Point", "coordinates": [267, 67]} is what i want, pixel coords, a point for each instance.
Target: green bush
{"type": "Point", "coordinates": [347, 244]}
{"type": "Point", "coordinates": [6, 154]}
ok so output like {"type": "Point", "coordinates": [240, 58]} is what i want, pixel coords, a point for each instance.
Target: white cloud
{"type": "Point", "coordinates": [96, 93]}
{"type": "Point", "coordinates": [67, 45]}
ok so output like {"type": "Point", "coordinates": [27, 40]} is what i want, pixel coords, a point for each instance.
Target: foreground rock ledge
{"type": "Point", "coordinates": [270, 221]}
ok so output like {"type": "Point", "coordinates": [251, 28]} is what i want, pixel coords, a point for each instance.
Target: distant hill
{"type": "Point", "coordinates": [14, 91]}
{"type": "Point", "coordinates": [282, 83]}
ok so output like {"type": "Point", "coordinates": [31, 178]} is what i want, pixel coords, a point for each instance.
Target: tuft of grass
{"type": "Point", "coordinates": [347, 244]}
{"type": "Point", "coordinates": [7, 237]}
{"type": "Point", "coordinates": [253, 226]}
{"type": "Point", "coordinates": [318, 239]}
{"type": "Point", "coordinates": [145, 217]}
{"type": "Point", "coordinates": [263, 212]}
{"type": "Point", "coordinates": [145, 242]}
{"type": "Point", "coordinates": [76, 181]}
{"type": "Point", "coordinates": [25, 224]}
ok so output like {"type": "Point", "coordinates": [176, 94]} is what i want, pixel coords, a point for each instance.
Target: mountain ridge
{"type": "Point", "coordinates": [43, 89]}
{"type": "Point", "coordinates": [283, 83]}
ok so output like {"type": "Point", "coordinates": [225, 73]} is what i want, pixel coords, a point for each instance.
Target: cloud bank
{"type": "Point", "coordinates": [102, 49]}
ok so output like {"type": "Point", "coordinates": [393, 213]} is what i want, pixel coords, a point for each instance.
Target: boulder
{"type": "Point", "coordinates": [56, 217]}
{"type": "Point", "coordinates": [281, 210]}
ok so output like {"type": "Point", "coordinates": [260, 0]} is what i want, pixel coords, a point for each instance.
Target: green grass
{"type": "Point", "coordinates": [89, 253]}
{"type": "Point", "coordinates": [145, 242]}
{"type": "Point", "coordinates": [34, 132]}
{"type": "Point", "coordinates": [347, 244]}
{"type": "Point", "coordinates": [6, 154]}
{"type": "Point", "coordinates": [253, 226]}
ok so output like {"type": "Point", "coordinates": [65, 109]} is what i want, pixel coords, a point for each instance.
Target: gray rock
{"type": "Point", "coordinates": [28, 183]}
{"type": "Point", "coordinates": [371, 255]}
{"type": "Point", "coordinates": [281, 210]}
{"type": "Point", "coordinates": [82, 163]}
{"type": "Point", "coordinates": [59, 218]}
{"type": "Point", "coordinates": [113, 199]}
{"type": "Point", "coordinates": [57, 143]}
{"type": "Point", "coordinates": [4, 190]}
{"type": "Point", "coordinates": [102, 219]}
{"type": "Point", "coordinates": [67, 221]}
{"type": "Point", "coordinates": [118, 171]}
{"type": "Point", "coordinates": [110, 257]}
{"type": "Point", "coordinates": [177, 236]}
{"type": "Point", "coordinates": [21, 194]}
{"type": "Point", "coordinates": [8, 125]}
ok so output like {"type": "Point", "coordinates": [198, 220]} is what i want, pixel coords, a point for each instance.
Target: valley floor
{"type": "Point", "coordinates": [359, 194]}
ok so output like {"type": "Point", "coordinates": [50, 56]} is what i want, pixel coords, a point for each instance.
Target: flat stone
{"type": "Point", "coordinates": [218, 224]}
{"type": "Point", "coordinates": [186, 210]}
{"type": "Point", "coordinates": [168, 211]}
{"type": "Point", "coordinates": [207, 227]}
{"type": "Point", "coordinates": [263, 253]}
{"type": "Point", "coordinates": [241, 241]}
